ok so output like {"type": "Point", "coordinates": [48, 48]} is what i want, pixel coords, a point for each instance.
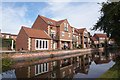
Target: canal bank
{"type": "Point", "coordinates": [17, 60]}
{"type": "Point", "coordinates": [42, 55]}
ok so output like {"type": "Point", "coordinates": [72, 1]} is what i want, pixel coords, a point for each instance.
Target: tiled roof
{"type": "Point", "coordinates": [52, 22]}
{"type": "Point", "coordinates": [48, 21]}
{"type": "Point", "coordinates": [76, 32]}
{"type": "Point", "coordinates": [60, 22]}
{"type": "Point", "coordinates": [8, 34]}
{"type": "Point", "coordinates": [81, 30]}
{"type": "Point", "coordinates": [93, 39]}
{"type": "Point", "coordinates": [35, 33]}
{"type": "Point", "coordinates": [101, 35]}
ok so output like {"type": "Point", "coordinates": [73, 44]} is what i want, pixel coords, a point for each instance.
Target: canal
{"type": "Point", "coordinates": [91, 65]}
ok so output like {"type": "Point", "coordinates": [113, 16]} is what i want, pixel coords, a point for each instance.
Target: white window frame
{"type": "Point", "coordinates": [69, 34]}
{"type": "Point", "coordinates": [66, 26]}
{"type": "Point", "coordinates": [73, 30]}
{"type": "Point", "coordinates": [7, 36]}
{"type": "Point", "coordinates": [41, 44]}
{"type": "Point", "coordinates": [63, 33]}
{"type": "Point", "coordinates": [41, 66]}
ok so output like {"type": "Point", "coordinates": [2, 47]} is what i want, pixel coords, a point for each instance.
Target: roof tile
{"type": "Point", "coordinates": [35, 33]}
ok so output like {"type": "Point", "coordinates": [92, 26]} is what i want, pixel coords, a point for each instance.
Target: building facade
{"type": "Point", "coordinates": [9, 36]}
{"type": "Point", "coordinates": [85, 39]}
{"type": "Point", "coordinates": [8, 41]}
{"type": "Point", "coordinates": [101, 38]}
{"type": "Point", "coordinates": [60, 31]}
{"type": "Point", "coordinates": [62, 35]}
{"type": "Point", "coordinates": [33, 39]}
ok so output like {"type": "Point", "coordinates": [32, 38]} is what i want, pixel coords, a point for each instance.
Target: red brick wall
{"type": "Point", "coordinates": [40, 24]}
{"type": "Point", "coordinates": [32, 47]}
{"type": "Point", "coordinates": [66, 35]}
{"type": "Point", "coordinates": [22, 40]}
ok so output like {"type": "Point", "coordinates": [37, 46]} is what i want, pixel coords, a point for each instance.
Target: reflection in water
{"type": "Point", "coordinates": [85, 66]}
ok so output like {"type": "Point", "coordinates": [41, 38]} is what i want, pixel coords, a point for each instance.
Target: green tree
{"type": "Point", "coordinates": [109, 21]}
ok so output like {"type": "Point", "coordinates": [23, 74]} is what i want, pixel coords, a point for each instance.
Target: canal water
{"type": "Point", "coordinates": [86, 66]}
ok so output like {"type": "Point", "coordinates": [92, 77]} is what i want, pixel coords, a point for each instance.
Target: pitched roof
{"type": "Point", "coordinates": [60, 22]}
{"type": "Point", "coordinates": [101, 35]}
{"type": "Point", "coordinates": [35, 33]}
{"type": "Point", "coordinates": [8, 34]}
{"type": "Point", "coordinates": [48, 21]}
{"type": "Point", "coordinates": [76, 32]}
{"type": "Point", "coordinates": [81, 30]}
{"type": "Point", "coordinates": [52, 22]}
{"type": "Point", "coordinates": [93, 39]}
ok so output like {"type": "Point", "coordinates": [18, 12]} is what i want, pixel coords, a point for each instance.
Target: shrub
{"type": "Point", "coordinates": [6, 64]}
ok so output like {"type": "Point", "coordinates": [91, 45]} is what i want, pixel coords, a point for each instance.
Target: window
{"type": "Point", "coordinates": [41, 68]}
{"type": "Point", "coordinates": [64, 74]}
{"type": "Point", "coordinates": [65, 27]}
{"type": "Point", "coordinates": [41, 44]}
{"type": "Point", "coordinates": [53, 75]}
{"type": "Point", "coordinates": [46, 44]}
{"type": "Point", "coordinates": [70, 71]}
{"type": "Point", "coordinates": [7, 36]}
{"type": "Point", "coordinates": [54, 63]}
{"type": "Point", "coordinates": [36, 43]}
{"type": "Point", "coordinates": [36, 69]}
{"type": "Point", "coordinates": [62, 33]}
{"type": "Point", "coordinates": [68, 34]}
{"type": "Point", "coordinates": [73, 30]}
{"type": "Point", "coordinates": [46, 67]}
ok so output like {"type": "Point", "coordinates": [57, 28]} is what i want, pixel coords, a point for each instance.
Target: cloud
{"type": "Point", "coordinates": [79, 14]}
{"type": "Point", "coordinates": [13, 18]}
{"type": "Point", "coordinates": [56, 0]}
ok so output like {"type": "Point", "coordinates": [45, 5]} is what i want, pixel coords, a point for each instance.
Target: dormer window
{"type": "Point", "coordinates": [65, 27]}
{"type": "Point", "coordinates": [49, 22]}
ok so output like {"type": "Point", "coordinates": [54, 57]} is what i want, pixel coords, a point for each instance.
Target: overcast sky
{"type": "Point", "coordinates": [80, 13]}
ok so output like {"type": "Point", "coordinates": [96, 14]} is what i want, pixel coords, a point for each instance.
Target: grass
{"type": "Point", "coordinates": [113, 72]}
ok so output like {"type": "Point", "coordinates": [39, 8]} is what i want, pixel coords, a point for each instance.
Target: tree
{"type": "Point", "coordinates": [109, 21]}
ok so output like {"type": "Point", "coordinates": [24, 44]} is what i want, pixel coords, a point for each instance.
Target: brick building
{"type": "Point", "coordinates": [60, 33]}
{"type": "Point", "coordinates": [33, 39]}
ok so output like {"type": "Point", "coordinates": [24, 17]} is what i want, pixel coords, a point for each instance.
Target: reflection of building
{"type": "Point", "coordinates": [101, 57]}
{"type": "Point", "coordinates": [64, 68]}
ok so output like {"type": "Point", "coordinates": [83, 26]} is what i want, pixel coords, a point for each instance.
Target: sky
{"type": "Point", "coordinates": [79, 13]}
